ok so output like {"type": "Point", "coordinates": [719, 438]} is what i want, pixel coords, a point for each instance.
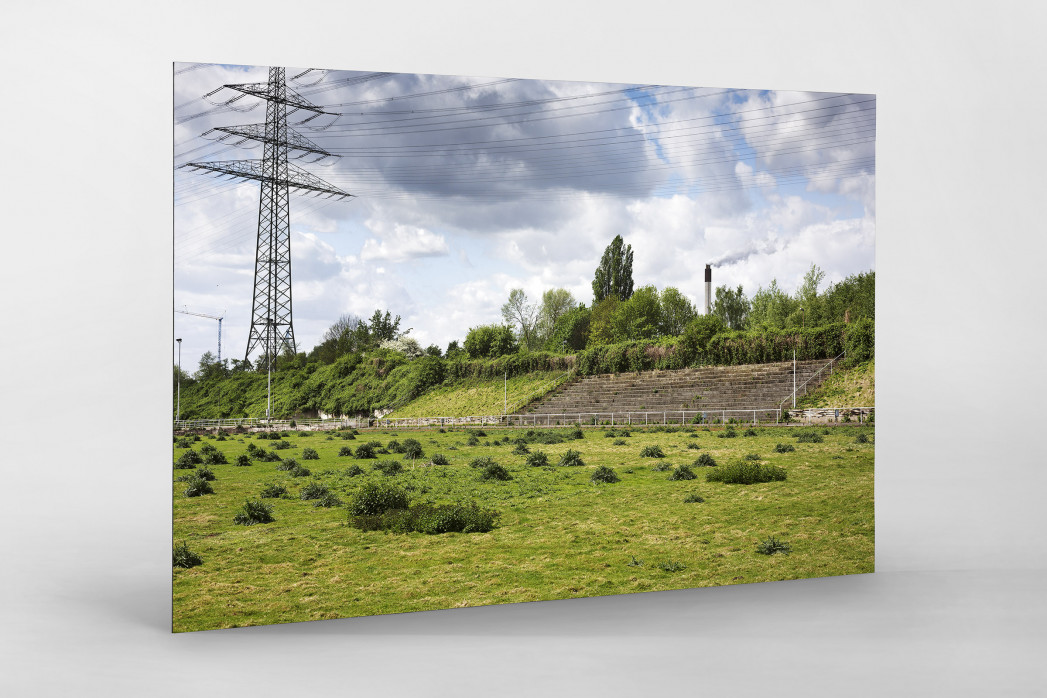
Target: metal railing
{"type": "Point", "coordinates": [261, 422]}
{"type": "Point", "coordinates": [803, 385]}
{"type": "Point", "coordinates": [541, 390]}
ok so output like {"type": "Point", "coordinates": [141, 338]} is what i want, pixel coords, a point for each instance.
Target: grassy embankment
{"type": "Point", "coordinates": [850, 387]}
{"type": "Point", "coordinates": [476, 396]}
{"type": "Point", "coordinates": [559, 535]}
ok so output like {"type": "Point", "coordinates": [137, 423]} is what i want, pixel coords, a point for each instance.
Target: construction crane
{"type": "Point", "coordinates": [213, 317]}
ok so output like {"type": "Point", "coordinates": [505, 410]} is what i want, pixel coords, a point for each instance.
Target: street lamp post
{"type": "Point", "coordinates": [178, 403]}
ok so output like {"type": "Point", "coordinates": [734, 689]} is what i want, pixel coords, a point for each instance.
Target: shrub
{"type": "Point", "coordinates": [521, 450]}
{"type": "Point", "coordinates": [784, 448]}
{"type": "Point", "coordinates": [314, 490]}
{"type": "Point", "coordinates": [215, 458]}
{"type": "Point", "coordinates": [652, 452]}
{"type": "Point", "coordinates": [571, 459]}
{"type": "Point", "coordinates": [750, 432]}
{"type": "Point", "coordinates": [728, 433]}
{"type": "Point", "coordinates": [809, 437]}
{"type": "Point", "coordinates": [693, 499]}
{"type": "Point", "coordinates": [604, 474]}
{"type": "Point", "coordinates": [395, 447]}
{"type": "Point", "coordinates": [310, 454]}
{"type": "Point", "coordinates": [280, 445]}
{"type": "Point", "coordinates": [861, 439]}
{"type": "Point", "coordinates": [662, 467]}
{"type": "Point", "coordinates": [577, 434]}
{"type": "Point", "coordinates": [186, 558]}
{"type": "Point", "coordinates": [242, 460]}
{"type": "Point", "coordinates": [254, 513]}
{"type": "Point", "coordinates": [183, 442]}
{"type": "Point", "coordinates": [345, 452]}
{"type": "Point", "coordinates": [204, 474]}
{"type": "Point", "coordinates": [481, 432]}
{"type": "Point", "coordinates": [537, 459]}
{"type": "Point", "coordinates": [189, 459]}
{"type": "Point", "coordinates": [354, 470]}
{"type": "Point", "coordinates": [288, 464]}
{"type": "Point", "coordinates": [412, 448]}
{"type": "Point", "coordinates": [671, 566]}
{"type": "Point", "coordinates": [439, 459]}
{"type": "Point", "coordinates": [772, 545]}
{"type": "Point", "coordinates": [494, 471]}
{"type": "Point", "coordinates": [196, 486]}
{"type": "Point", "coordinates": [273, 491]}
{"type": "Point", "coordinates": [751, 456]}
{"type": "Point", "coordinates": [683, 472]}
{"type": "Point", "coordinates": [375, 498]}
{"type": "Point", "coordinates": [693, 446]}
{"type": "Point", "coordinates": [704, 461]}
{"type": "Point", "coordinates": [618, 442]}
{"type": "Point", "coordinates": [610, 434]}
{"type": "Point", "coordinates": [208, 448]}
{"type": "Point", "coordinates": [299, 471]}
{"type": "Point", "coordinates": [348, 436]}
{"type": "Point", "coordinates": [268, 456]}
{"type": "Point", "coordinates": [389, 467]}
{"type": "Point", "coordinates": [472, 441]}
{"type": "Point", "coordinates": [745, 473]}
{"type": "Point", "coordinates": [481, 462]}
{"type": "Point", "coordinates": [365, 451]}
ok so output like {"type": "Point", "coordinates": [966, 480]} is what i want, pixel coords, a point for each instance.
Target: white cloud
{"type": "Point", "coordinates": [401, 243]}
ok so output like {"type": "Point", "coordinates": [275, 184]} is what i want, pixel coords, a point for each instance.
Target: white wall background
{"type": "Point", "coordinates": [960, 463]}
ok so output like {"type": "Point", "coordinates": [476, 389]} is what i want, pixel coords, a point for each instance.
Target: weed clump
{"type": "Point", "coordinates": [861, 439]}
{"type": "Point", "coordinates": [412, 448]}
{"type": "Point", "coordinates": [772, 546]}
{"type": "Point", "coordinates": [376, 498]}
{"type": "Point", "coordinates": [481, 462]}
{"type": "Point", "coordinates": [618, 442]}
{"type": "Point", "coordinates": [495, 471]}
{"type": "Point", "coordinates": [354, 470]}
{"type": "Point", "coordinates": [281, 445]}
{"type": "Point", "coordinates": [705, 461]}
{"type": "Point", "coordinates": [521, 450]}
{"type": "Point", "coordinates": [254, 513]}
{"type": "Point", "coordinates": [693, 446]}
{"type": "Point", "coordinates": [314, 490]}
{"type": "Point", "coordinates": [186, 558]}
{"type": "Point", "coordinates": [429, 519]}
{"type": "Point", "coordinates": [577, 434]}
{"type": "Point", "coordinates": [537, 459]}
{"type": "Point", "coordinates": [243, 460]}
{"type": "Point", "coordinates": [728, 433]}
{"type": "Point", "coordinates": [196, 486]}
{"type": "Point", "coordinates": [288, 464]}
{"type": "Point", "coordinates": [215, 457]}
{"type": "Point", "coordinates": [809, 437]}
{"type": "Point", "coordinates": [189, 459]}
{"type": "Point", "coordinates": [389, 467]}
{"type": "Point", "coordinates": [749, 432]}
{"type": "Point", "coordinates": [784, 448]}
{"type": "Point", "coordinates": [603, 474]}
{"type": "Point", "coordinates": [671, 566]}
{"type": "Point", "coordinates": [683, 472]}
{"type": "Point", "coordinates": [751, 456]}
{"type": "Point", "coordinates": [299, 471]}
{"type": "Point", "coordinates": [662, 466]}
{"type": "Point", "coordinates": [365, 451]}
{"type": "Point", "coordinates": [571, 459]}
{"type": "Point", "coordinates": [693, 498]}
{"type": "Point", "coordinates": [652, 452]}
{"type": "Point", "coordinates": [745, 473]}
{"type": "Point", "coordinates": [310, 454]}
{"type": "Point", "coordinates": [273, 491]}
{"type": "Point", "coordinates": [345, 452]}
{"type": "Point", "coordinates": [439, 459]}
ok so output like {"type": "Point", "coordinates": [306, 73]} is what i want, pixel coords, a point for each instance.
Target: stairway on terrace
{"type": "Point", "coordinates": [710, 388]}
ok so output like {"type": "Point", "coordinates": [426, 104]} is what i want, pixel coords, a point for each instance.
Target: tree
{"type": "Point", "coordinates": [808, 299]}
{"type": "Point", "coordinates": [555, 303]}
{"type": "Point", "coordinates": [731, 306]}
{"type": "Point", "coordinates": [453, 349]}
{"type": "Point", "coordinates": [210, 368]}
{"type": "Point", "coordinates": [571, 332]}
{"type": "Point", "coordinates": [677, 311]}
{"type": "Point", "coordinates": [640, 317]}
{"type": "Point", "coordinates": [770, 308]}
{"type": "Point", "coordinates": [518, 312]}
{"type": "Point", "coordinates": [614, 276]}
{"type": "Point", "coordinates": [383, 327]}
{"type": "Point", "coordinates": [489, 341]}
{"type": "Point", "coordinates": [601, 322]}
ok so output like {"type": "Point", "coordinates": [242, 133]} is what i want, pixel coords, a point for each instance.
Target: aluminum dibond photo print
{"type": "Point", "coordinates": [447, 341]}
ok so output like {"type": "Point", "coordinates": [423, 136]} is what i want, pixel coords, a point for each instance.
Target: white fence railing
{"type": "Point", "coordinates": [758, 415]}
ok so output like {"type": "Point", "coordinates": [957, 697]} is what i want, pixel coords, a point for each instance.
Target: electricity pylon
{"type": "Point", "coordinates": [271, 323]}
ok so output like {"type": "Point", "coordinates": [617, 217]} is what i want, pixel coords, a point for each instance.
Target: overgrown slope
{"type": "Point", "coordinates": [475, 396]}
{"type": "Point", "coordinates": [848, 387]}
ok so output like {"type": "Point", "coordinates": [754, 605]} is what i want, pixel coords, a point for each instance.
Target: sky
{"type": "Point", "coordinates": [467, 187]}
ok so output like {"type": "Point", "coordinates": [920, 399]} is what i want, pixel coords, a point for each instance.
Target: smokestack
{"type": "Point", "coordinates": [708, 288]}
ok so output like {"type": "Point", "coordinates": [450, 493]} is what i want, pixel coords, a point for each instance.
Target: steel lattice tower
{"type": "Point", "coordinates": [271, 322]}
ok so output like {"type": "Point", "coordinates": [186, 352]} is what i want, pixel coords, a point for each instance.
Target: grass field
{"type": "Point", "coordinates": [558, 536]}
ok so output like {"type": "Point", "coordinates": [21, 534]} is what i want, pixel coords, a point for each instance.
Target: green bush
{"type": "Point", "coordinates": [671, 566]}
{"type": "Point", "coordinates": [186, 558]}
{"type": "Point", "coordinates": [662, 466]}
{"type": "Point", "coordinates": [389, 467]}
{"type": "Point", "coordinates": [208, 448]}
{"type": "Point", "coordinates": [693, 446]}
{"type": "Point", "coordinates": [571, 459]}
{"type": "Point", "coordinates": [750, 432]}
{"type": "Point", "coordinates": [288, 464]}
{"type": "Point", "coordinates": [394, 446]}
{"type": "Point", "coordinates": [204, 474]}
{"type": "Point", "coordinates": [537, 459]}
{"type": "Point", "coordinates": [439, 459]}
{"type": "Point", "coordinates": [215, 458]}
{"type": "Point", "coordinates": [354, 470]}
{"type": "Point", "coordinates": [183, 442]}
{"type": "Point", "coordinates": [281, 445]}
{"type": "Point", "coordinates": [189, 459]}
{"type": "Point", "coordinates": [577, 434]}
{"type": "Point", "coordinates": [430, 519]}
{"type": "Point", "coordinates": [683, 472]}
{"type": "Point", "coordinates": [704, 461]}
{"type": "Point", "coordinates": [472, 441]}
{"type": "Point", "coordinates": [481, 462]}
{"type": "Point", "coordinates": [196, 486]}
{"type": "Point", "coordinates": [376, 497]}
{"type": "Point", "coordinates": [618, 442]}
{"type": "Point", "coordinates": [314, 490]}
{"type": "Point", "coordinates": [809, 437]}
{"type": "Point", "coordinates": [861, 439]}
{"type": "Point", "coordinates": [784, 448]}
{"type": "Point", "coordinates": [255, 512]}
{"type": "Point", "coordinates": [242, 460]}
{"type": "Point", "coordinates": [365, 451]}
{"type": "Point", "coordinates": [310, 454]}
{"type": "Point", "coordinates": [603, 474]}
{"type": "Point", "coordinates": [494, 471]}
{"type": "Point", "coordinates": [299, 471]}
{"type": "Point", "coordinates": [268, 456]}
{"type": "Point", "coordinates": [652, 452]}
{"type": "Point", "coordinates": [772, 546]}
{"type": "Point", "coordinates": [752, 456]}
{"type": "Point", "coordinates": [345, 452]}
{"type": "Point", "coordinates": [412, 448]}
{"type": "Point", "coordinates": [273, 491]}
{"type": "Point", "coordinates": [327, 500]}
{"type": "Point", "coordinates": [728, 433]}
{"type": "Point", "coordinates": [745, 473]}
{"type": "Point", "coordinates": [521, 450]}
{"type": "Point", "coordinates": [693, 499]}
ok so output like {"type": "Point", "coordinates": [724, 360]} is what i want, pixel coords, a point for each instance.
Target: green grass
{"type": "Point", "coordinates": [851, 387]}
{"type": "Point", "coordinates": [474, 397]}
{"type": "Point", "coordinates": [558, 535]}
